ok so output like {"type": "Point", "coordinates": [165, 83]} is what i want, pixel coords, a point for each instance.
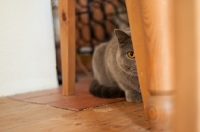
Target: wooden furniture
{"type": "Point", "coordinates": [187, 65]}
{"type": "Point", "coordinates": [166, 39]}
{"type": "Point", "coordinates": [167, 49]}
{"type": "Point", "coordinates": [152, 35]}
{"type": "Point", "coordinates": [67, 42]}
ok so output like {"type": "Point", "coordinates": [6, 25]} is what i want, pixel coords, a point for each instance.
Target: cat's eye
{"type": "Point", "coordinates": [131, 54]}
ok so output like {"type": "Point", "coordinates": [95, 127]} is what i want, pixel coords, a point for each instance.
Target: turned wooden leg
{"type": "Point", "coordinates": [159, 33]}
{"type": "Point", "coordinates": [152, 33]}
{"type": "Point", "coordinates": [159, 37]}
{"type": "Point", "coordinates": [67, 42]}
{"type": "Point", "coordinates": [140, 50]}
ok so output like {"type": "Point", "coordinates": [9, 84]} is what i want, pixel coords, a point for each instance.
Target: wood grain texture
{"type": "Point", "coordinates": [119, 117]}
{"type": "Point", "coordinates": [153, 41]}
{"type": "Point", "coordinates": [14, 114]}
{"type": "Point", "coordinates": [159, 38]}
{"type": "Point", "coordinates": [140, 50]}
{"type": "Point", "coordinates": [187, 16]}
{"type": "Point", "coordinates": [67, 41]}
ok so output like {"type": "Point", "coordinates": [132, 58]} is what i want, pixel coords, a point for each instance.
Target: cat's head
{"type": "Point", "coordinates": [125, 53]}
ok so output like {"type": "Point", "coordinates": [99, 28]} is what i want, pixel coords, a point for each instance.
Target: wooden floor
{"type": "Point", "coordinates": [82, 99]}
{"type": "Point", "coordinates": [18, 116]}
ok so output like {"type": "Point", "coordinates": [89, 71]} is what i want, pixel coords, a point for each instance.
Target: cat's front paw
{"type": "Point", "coordinates": [133, 96]}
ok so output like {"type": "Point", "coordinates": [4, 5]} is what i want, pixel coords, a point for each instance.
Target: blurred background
{"type": "Point", "coordinates": [95, 23]}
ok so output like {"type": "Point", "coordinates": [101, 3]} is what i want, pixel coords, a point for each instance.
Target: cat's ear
{"type": "Point", "coordinates": [121, 36]}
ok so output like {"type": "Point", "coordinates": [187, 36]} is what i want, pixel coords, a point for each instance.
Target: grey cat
{"type": "Point", "coordinates": [114, 67]}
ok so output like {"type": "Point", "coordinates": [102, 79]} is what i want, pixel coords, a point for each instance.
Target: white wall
{"type": "Point", "coordinates": [27, 54]}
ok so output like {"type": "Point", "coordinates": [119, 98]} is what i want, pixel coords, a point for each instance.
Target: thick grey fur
{"type": "Point", "coordinates": [114, 72]}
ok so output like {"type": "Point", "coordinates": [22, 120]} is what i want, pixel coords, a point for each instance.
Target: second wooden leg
{"type": "Point", "coordinates": [67, 42]}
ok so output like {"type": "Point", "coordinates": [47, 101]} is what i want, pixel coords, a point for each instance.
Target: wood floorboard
{"type": "Point", "coordinates": [26, 114]}
{"type": "Point", "coordinates": [115, 117]}
{"type": "Point", "coordinates": [9, 111]}
{"type": "Point", "coordinates": [10, 104]}
{"type": "Point", "coordinates": [4, 100]}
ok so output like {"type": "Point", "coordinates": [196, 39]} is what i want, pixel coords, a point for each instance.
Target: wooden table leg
{"type": "Point", "coordinates": [67, 41]}
{"type": "Point", "coordinates": [140, 50]}
{"type": "Point", "coordinates": [159, 38]}
{"type": "Point", "coordinates": [151, 24]}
